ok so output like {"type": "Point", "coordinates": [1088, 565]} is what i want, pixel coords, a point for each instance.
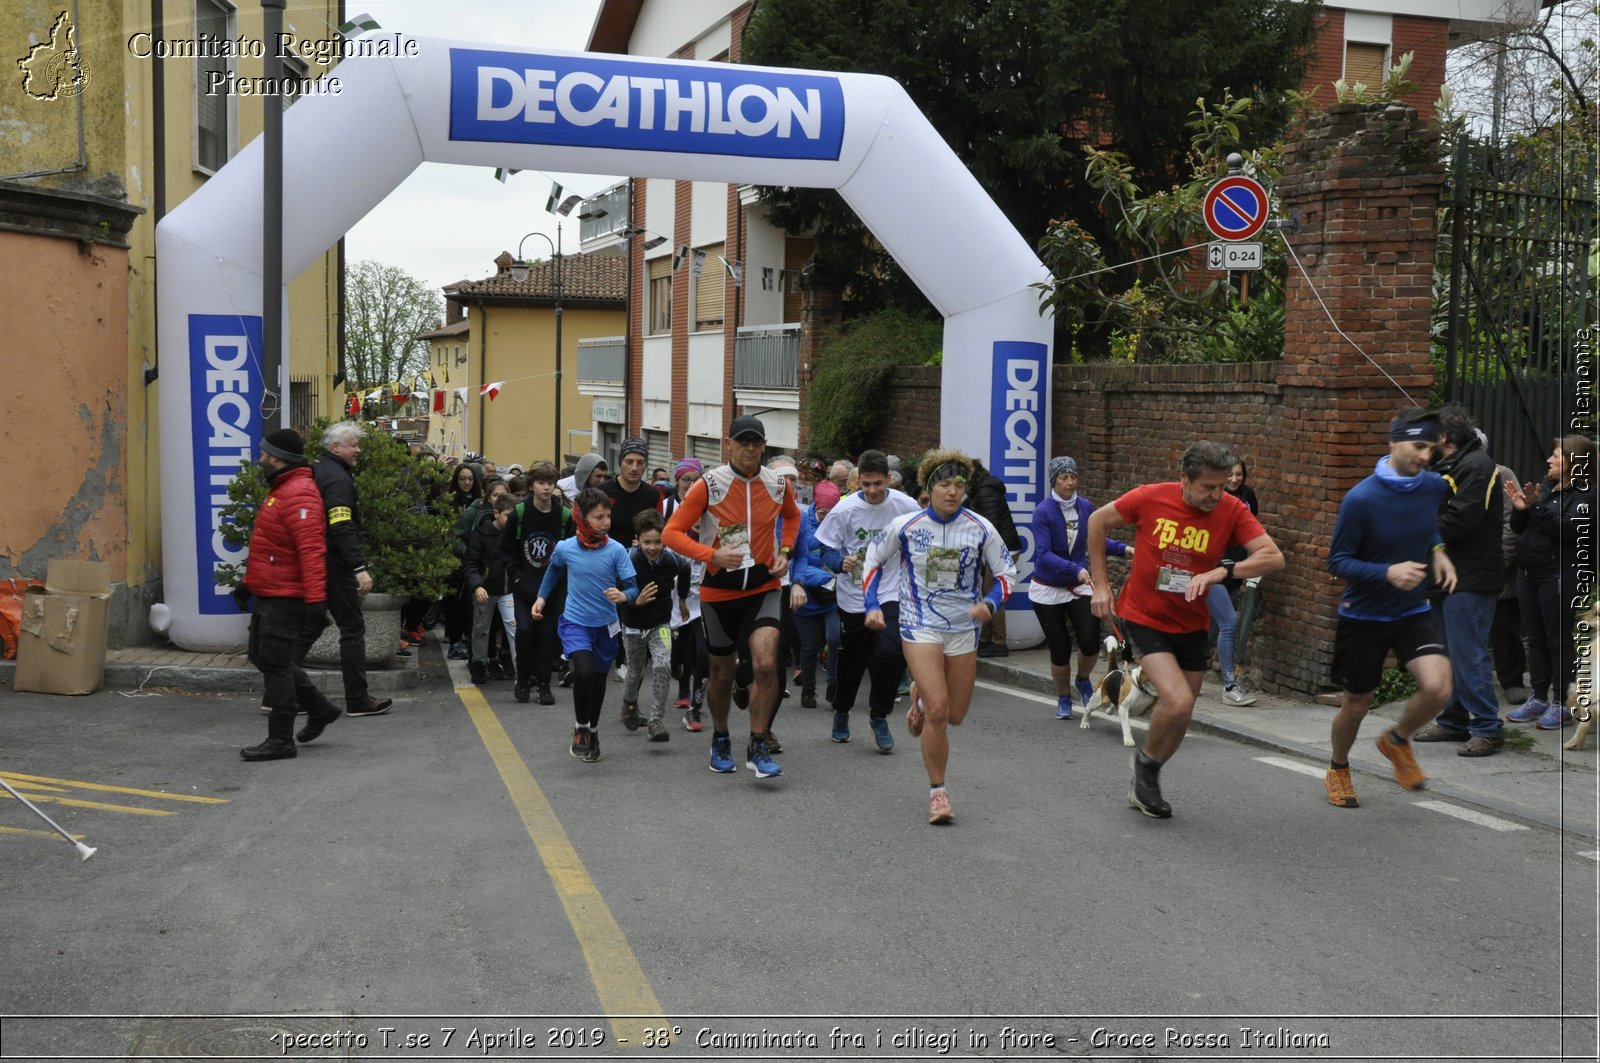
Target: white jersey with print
{"type": "Point", "coordinates": [936, 567]}
{"type": "Point", "coordinates": [853, 527]}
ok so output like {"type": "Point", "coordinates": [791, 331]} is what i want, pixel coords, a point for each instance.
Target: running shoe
{"type": "Point", "coordinates": [1085, 694]}
{"type": "Point", "coordinates": [683, 703]}
{"type": "Point", "coordinates": [522, 692]}
{"type": "Point", "coordinates": [580, 742]}
{"type": "Point", "coordinates": [939, 807]}
{"type": "Point", "coordinates": [773, 745]}
{"type": "Point", "coordinates": [591, 752]}
{"type": "Point", "coordinates": [546, 697]}
{"type": "Point", "coordinates": [1529, 711]}
{"type": "Point", "coordinates": [658, 732]}
{"type": "Point", "coordinates": [691, 721]}
{"type": "Point", "coordinates": [458, 651]}
{"type": "Point", "coordinates": [1340, 790]}
{"type": "Point", "coordinates": [1237, 695]}
{"type": "Point", "coordinates": [1145, 793]}
{"type": "Point", "coordinates": [722, 755]}
{"type": "Point", "coordinates": [880, 733]}
{"type": "Point", "coordinates": [808, 699]}
{"type": "Point", "coordinates": [1406, 771]}
{"type": "Point", "coordinates": [915, 715]}
{"type": "Point", "coordinates": [1064, 707]}
{"type": "Point", "coordinates": [1554, 718]}
{"type": "Point", "coordinates": [841, 727]}
{"type": "Point", "coordinates": [630, 715]}
{"type": "Point", "coordinates": [759, 759]}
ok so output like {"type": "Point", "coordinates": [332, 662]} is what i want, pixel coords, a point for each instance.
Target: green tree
{"type": "Point", "coordinates": [849, 389]}
{"type": "Point", "coordinates": [386, 309]}
{"type": "Point", "coordinates": [1019, 89]}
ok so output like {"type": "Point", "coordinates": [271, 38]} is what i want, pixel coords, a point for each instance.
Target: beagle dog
{"type": "Point", "coordinates": [1123, 689]}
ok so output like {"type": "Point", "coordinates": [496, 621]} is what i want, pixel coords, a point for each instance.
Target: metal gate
{"type": "Point", "coordinates": [1521, 262]}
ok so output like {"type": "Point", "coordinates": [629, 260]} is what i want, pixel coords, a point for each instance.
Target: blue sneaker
{"type": "Point", "coordinates": [1555, 718]}
{"type": "Point", "coordinates": [880, 734]}
{"type": "Point", "coordinates": [1528, 711]}
{"type": "Point", "coordinates": [759, 760]}
{"type": "Point", "coordinates": [1064, 707]}
{"type": "Point", "coordinates": [841, 727]}
{"type": "Point", "coordinates": [722, 755]}
{"type": "Point", "coordinates": [1085, 695]}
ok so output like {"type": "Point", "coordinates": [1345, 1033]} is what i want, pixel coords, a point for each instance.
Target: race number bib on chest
{"type": "Point", "coordinates": [1172, 580]}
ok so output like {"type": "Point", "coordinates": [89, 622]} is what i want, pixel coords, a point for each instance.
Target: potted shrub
{"type": "Point", "coordinates": [407, 541]}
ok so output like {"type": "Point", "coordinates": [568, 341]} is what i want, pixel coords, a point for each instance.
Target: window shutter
{"type": "Point", "coordinates": [1365, 63]}
{"type": "Point", "coordinates": [709, 289]}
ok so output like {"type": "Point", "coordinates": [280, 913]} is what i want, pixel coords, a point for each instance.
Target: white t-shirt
{"type": "Point", "coordinates": [853, 527]}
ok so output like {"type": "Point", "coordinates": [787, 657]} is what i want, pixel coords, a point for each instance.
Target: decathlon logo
{"type": "Point", "coordinates": [225, 395]}
{"type": "Point", "coordinates": [1016, 436]}
{"type": "Point", "coordinates": [582, 101]}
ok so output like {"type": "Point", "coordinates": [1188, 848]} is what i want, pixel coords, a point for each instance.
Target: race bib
{"type": "Point", "coordinates": [737, 537]}
{"type": "Point", "coordinates": [1173, 580]}
{"type": "Point", "coordinates": [942, 571]}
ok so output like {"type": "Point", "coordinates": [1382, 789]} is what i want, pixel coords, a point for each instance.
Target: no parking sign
{"type": "Point", "coordinates": [1236, 208]}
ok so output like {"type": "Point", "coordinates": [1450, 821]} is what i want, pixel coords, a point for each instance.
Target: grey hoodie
{"type": "Point", "coordinates": [580, 476]}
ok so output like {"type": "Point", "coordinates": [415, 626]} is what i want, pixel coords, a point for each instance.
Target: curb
{"type": "Point", "coordinates": [126, 676]}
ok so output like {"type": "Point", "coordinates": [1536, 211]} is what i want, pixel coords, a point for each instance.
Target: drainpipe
{"type": "Point", "coordinates": [158, 168]}
{"type": "Point", "coordinates": [273, 410]}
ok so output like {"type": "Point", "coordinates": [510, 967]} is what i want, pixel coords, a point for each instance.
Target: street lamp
{"type": "Point", "coordinates": [519, 273]}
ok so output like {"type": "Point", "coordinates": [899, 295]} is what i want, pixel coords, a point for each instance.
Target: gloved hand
{"type": "Point", "coordinates": [241, 598]}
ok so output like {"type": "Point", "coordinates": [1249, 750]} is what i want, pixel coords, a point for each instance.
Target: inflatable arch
{"type": "Point", "coordinates": [481, 105]}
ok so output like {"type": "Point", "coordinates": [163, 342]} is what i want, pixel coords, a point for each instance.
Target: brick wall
{"type": "Point", "coordinates": [1364, 182]}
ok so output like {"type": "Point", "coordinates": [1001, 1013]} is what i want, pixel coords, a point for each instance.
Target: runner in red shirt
{"type": "Point", "coordinates": [1182, 530]}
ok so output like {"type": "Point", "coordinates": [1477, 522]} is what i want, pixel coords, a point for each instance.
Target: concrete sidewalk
{"type": "Point", "coordinates": [1541, 783]}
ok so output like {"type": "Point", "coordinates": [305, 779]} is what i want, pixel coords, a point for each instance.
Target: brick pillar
{"type": "Point", "coordinates": [1364, 181]}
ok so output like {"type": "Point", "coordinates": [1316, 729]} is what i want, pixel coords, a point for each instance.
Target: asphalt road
{"type": "Point", "coordinates": [451, 866]}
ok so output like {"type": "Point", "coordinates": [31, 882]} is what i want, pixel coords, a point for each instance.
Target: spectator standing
{"type": "Point", "coordinates": [348, 578]}
{"type": "Point", "coordinates": [486, 576]}
{"type": "Point", "coordinates": [286, 572]}
{"type": "Point", "coordinates": [1219, 600]}
{"type": "Point", "coordinates": [466, 487]}
{"type": "Point", "coordinates": [814, 596]}
{"type": "Point", "coordinates": [1505, 634]}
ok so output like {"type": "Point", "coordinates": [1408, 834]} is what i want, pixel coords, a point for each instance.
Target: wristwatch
{"type": "Point", "coordinates": [1227, 565]}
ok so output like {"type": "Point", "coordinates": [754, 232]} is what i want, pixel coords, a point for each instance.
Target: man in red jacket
{"type": "Point", "coordinates": [287, 574]}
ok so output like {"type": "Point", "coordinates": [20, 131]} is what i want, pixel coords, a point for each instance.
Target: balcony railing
{"type": "Point", "coordinates": [603, 214]}
{"type": "Point", "coordinates": [602, 360]}
{"type": "Point", "coordinates": [767, 356]}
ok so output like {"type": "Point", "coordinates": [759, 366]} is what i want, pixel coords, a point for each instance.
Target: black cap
{"type": "Point", "coordinates": [747, 426]}
{"type": "Point", "coordinates": [286, 445]}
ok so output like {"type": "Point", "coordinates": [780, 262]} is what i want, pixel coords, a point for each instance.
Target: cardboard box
{"type": "Point", "coordinates": [64, 623]}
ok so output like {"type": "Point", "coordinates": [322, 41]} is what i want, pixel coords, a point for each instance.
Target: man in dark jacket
{"type": "Point", "coordinates": [285, 573]}
{"type": "Point", "coordinates": [348, 578]}
{"type": "Point", "coordinates": [986, 496]}
{"type": "Point", "coordinates": [1470, 525]}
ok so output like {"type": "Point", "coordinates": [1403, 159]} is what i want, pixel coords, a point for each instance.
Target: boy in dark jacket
{"type": "Point", "coordinates": [645, 630]}
{"type": "Point", "coordinates": [529, 538]}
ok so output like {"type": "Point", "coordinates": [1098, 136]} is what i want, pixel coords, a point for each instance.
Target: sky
{"type": "Point", "coordinates": [447, 223]}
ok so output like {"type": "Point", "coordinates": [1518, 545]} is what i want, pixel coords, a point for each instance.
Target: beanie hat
{"type": "Point", "coordinates": [633, 445]}
{"type": "Point", "coordinates": [1062, 466]}
{"type": "Point", "coordinates": [689, 465]}
{"type": "Point", "coordinates": [286, 445]}
{"type": "Point", "coordinates": [825, 494]}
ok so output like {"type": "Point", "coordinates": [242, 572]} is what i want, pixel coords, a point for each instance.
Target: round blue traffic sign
{"type": "Point", "coordinates": [1236, 208]}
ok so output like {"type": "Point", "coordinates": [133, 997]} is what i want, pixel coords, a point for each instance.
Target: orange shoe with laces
{"type": "Point", "coordinates": [1340, 790]}
{"type": "Point", "coordinates": [1406, 771]}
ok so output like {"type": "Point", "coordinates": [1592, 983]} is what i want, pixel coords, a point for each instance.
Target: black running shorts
{"type": "Point", "coordinates": [1189, 647]}
{"type": "Point", "coordinates": [730, 622]}
{"type": "Point", "coordinates": [1360, 647]}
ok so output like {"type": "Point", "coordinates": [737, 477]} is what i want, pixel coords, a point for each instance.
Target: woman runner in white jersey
{"type": "Point", "coordinates": [938, 555]}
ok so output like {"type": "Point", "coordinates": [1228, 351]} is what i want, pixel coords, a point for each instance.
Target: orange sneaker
{"type": "Point", "coordinates": [915, 715]}
{"type": "Point", "coordinates": [939, 807]}
{"type": "Point", "coordinates": [1340, 790]}
{"type": "Point", "coordinates": [1406, 772]}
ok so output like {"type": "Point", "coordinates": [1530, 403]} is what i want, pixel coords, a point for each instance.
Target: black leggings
{"type": "Point", "coordinates": [588, 689]}
{"type": "Point", "coordinates": [1065, 622]}
{"type": "Point", "coordinates": [690, 656]}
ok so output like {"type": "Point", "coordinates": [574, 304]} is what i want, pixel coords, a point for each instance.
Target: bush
{"type": "Point", "coordinates": [408, 544]}
{"type": "Point", "coordinates": [849, 384]}
{"type": "Point", "coordinates": [1396, 685]}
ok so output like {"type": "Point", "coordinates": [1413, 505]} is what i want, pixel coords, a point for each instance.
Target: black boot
{"type": "Point", "coordinates": [280, 738]}
{"type": "Point", "coordinates": [545, 696]}
{"type": "Point", "coordinates": [478, 671]}
{"type": "Point", "coordinates": [318, 721]}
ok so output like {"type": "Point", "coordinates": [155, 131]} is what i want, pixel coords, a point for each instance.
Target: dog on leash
{"type": "Point", "coordinates": [1123, 689]}
{"type": "Point", "coordinates": [1580, 699]}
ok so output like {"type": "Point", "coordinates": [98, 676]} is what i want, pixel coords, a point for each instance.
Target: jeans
{"type": "Point", "coordinates": [1220, 602]}
{"type": "Point", "coordinates": [816, 631]}
{"type": "Point", "coordinates": [1475, 708]}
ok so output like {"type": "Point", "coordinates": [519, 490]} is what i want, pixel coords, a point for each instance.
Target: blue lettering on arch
{"type": "Point", "coordinates": [225, 400]}
{"type": "Point", "coordinates": [585, 101]}
{"type": "Point", "coordinates": [1017, 423]}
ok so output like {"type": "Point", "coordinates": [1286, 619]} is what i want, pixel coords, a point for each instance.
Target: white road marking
{"type": "Point", "coordinates": [1028, 695]}
{"type": "Point", "coordinates": [1492, 822]}
{"type": "Point", "coordinates": [1294, 765]}
{"type": "Point", "coordinates": [1593, 854]}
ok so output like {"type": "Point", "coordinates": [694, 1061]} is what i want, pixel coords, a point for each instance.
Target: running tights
{"type": "Point", "coordinates": [588, 690]}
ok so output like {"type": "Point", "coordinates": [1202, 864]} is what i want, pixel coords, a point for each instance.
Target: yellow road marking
{"type": "Point", "coordinates": [71, 802]}
{"type": "Point", "coordinates": [13, 777]}
{"type": "Point", "coordinates": [618, 978]}
{"type": "Point", "coordinates": [36, 833]}
{"type": "Point", "coordinates": [33, 787]}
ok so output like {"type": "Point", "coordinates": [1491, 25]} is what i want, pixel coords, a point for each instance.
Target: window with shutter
{"type": "Point", "coordinates": [709, 451]}
{"type": "Point", "coordinates": [1366, 63]}
{"type": "Point", "coordinates": [660, 294]}
{"type": "Point", "coordinates": [709, 289]}
{"type": "Point", "coordinates": [659, 453]}
{"type": "Point", "coordinates": [213, 24]}
{"type": "Point", "coordinates": [796, 253]}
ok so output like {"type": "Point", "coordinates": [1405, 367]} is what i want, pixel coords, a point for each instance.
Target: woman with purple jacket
{"type": "Point", "coordinates": [1059, 588]}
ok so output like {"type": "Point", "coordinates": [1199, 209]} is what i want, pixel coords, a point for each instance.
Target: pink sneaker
{"type": "Point", "coordinates": [939, 807]}
{"type": "Point", "coordinates": [914, 719]}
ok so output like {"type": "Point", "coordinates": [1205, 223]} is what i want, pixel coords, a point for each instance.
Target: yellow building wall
{"type": "Point", "coordinates": [519, 425]}
{"type": "Point", "coordinates": [447, 430]}
{"type": "Point", "coordinates": [112, 115]}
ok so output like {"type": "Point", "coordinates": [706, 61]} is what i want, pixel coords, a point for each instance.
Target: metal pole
{"type": "Point", "coordinates": [1458, 262]}
{"type": "Point", "coordinates": [559, 458]}
{"type": "Point", "coordinates": [272, 407]}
